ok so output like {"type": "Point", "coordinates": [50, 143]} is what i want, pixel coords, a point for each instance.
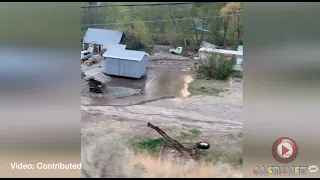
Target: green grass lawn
{"type": "Point", "coordinates": [208, 87]}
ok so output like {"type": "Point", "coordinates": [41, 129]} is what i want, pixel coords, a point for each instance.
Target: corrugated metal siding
{"type": "Point", "coordinates": [145, 63]}
{"type": "Point", "coordinates": [126, 68]}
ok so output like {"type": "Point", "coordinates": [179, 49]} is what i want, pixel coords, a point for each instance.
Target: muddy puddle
{"type": "Point", "coordinates": [158, 83]}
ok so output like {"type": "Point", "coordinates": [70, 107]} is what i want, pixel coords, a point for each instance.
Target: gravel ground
{"type": "Point", "coordinates": [113, 92]}
{"type": "Point", "coordinates": [107, 128]}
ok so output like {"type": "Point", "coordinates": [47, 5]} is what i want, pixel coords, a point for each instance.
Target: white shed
{"type": "Point", "coordinates": [126, 63]}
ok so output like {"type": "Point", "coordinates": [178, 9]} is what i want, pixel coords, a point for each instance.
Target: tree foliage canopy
{"type": "Point", "coordinates": [217, 22]}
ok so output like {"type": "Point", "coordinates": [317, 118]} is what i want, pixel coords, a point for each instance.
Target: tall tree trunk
{"type": "Point", "coordinates": [131, 15]}
{"type": "Point", "coordinates": [205, 25]}
{"type": "Point", "coordinates": [225, 28]}
{"type": "Point", "coordinates": [162, 27]}
{"type": "Point", "coordinates": [238, 29]}
{"type": "Point", "coordinates": [215, 34]}
{"type": "Point", "coordinates": [195, 30]}
{"type": "Point", "coordinates": [173, 21]}
{"type": "Point", "coordinates": [175, 25]}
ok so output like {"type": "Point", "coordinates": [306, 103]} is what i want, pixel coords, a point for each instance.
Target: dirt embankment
{"type": "Point", "coordinates": [146, 166]}
{"type": "Point", "coordinates": [126, 164]}
{"type": "Point", "coordinates": [105, 154]}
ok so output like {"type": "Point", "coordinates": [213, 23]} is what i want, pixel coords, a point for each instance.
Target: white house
{"type": "Point", "coordinates": [95, 39]}
{"type": "Point", "coordinates": [207, 52]}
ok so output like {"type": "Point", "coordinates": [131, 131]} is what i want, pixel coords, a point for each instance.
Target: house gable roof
{"type": "Point", "coordinates": [102, 36]}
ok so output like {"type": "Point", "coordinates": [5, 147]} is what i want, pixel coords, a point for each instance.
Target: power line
{"type": "Point", "coordinates": [167, 20]}
{"type": "Point", "coordinates": [146, 4]}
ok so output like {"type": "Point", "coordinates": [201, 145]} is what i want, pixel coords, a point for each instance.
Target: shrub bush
{"type": "Point", "coordinates": [217, 67]}
{"type": "Point", "coordinates": [133, 42]}
{"type": "Point", "coordinates": [174, 39]}
{"type": "Point", "coordinates": [160, 40]}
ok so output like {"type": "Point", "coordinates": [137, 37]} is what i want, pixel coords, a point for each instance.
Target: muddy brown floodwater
{"type": "Point", "coordinates": [164, 79]}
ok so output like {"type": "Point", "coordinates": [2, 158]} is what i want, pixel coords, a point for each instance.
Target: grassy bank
{"type": "Point", "coordinates": [207, 87]}
{"type": "Point", "coordinates": [153, 147]}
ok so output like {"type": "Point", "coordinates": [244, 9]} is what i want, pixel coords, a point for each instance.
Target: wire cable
{"type": "Point", "coordinates": [167, 20]}
{"type": "Point", "coordinates": [146, 4]}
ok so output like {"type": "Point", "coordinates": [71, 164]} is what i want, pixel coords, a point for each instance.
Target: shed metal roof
{"type": "Point", "coordinates": [102, 36]}
{"type": "Point", "coordinates": [220, 51]}
{"type": "Point", "coordinates": [99, 77]}
{"type": "Point", "coordinates": [205, 44]}
{"type": "Point", "coordinates": [125, 54]}
{"type": "Point", "coordinates": [109, 46]}
{"type": "Point", "coordinates": [238, 54]}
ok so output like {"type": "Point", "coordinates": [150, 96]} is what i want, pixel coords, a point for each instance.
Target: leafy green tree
{"type": "Point", "coordinates": [141, 31]}
{"type": "Point", "coordinates": [222, 22]}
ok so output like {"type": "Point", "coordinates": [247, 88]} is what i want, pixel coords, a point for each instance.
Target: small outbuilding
{"type": "Point", "coordinates": [97, 82]}
{"type": "Point", "coordinates": [126, 63]}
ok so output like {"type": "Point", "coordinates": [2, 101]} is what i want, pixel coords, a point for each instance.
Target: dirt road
{"type": "Point", "coordinates": [108, 124]}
